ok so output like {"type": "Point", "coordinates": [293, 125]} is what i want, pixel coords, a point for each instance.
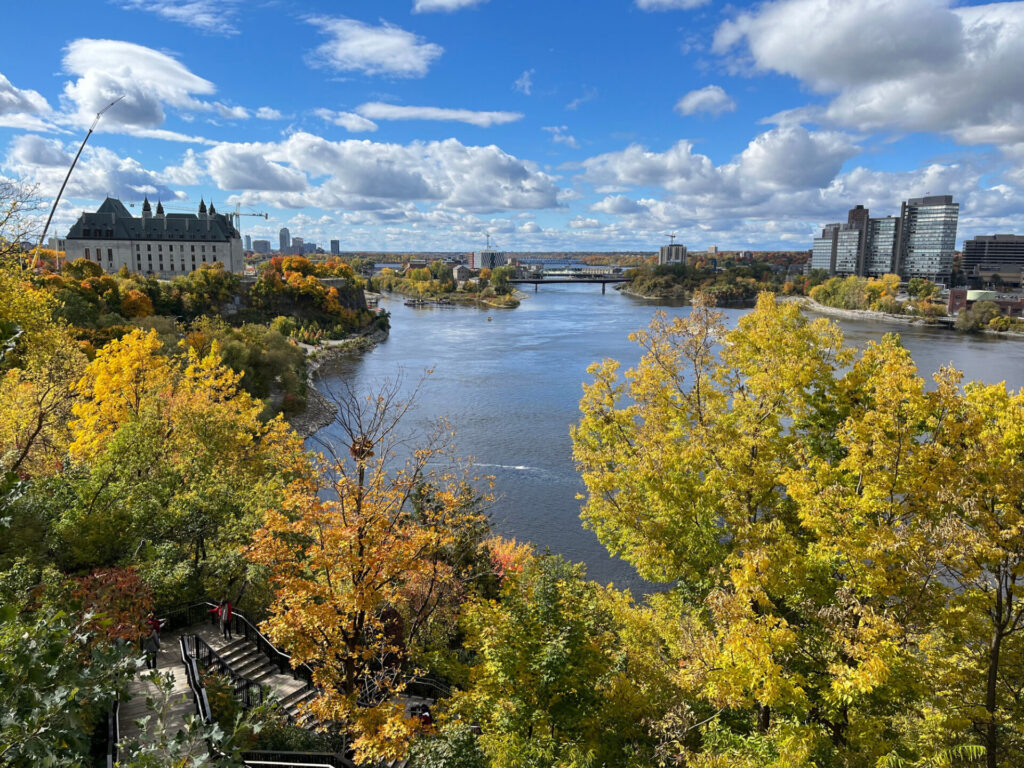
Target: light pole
{"type": "Point", "coordinates": [35, 258]}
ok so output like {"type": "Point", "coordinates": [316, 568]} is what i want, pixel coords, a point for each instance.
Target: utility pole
{"type": "Point", "coordinates": [35, 258]}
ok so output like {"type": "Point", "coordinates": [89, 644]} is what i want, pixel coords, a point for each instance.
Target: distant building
{"type": "Point", "coordinates": [1009, 303]}
{"type": "Point", "coordinates": [928, 238]}
{"type": "Point", "coordinates": [712, 250]}
{"type": "Point", "coordinates": [919, 243]}
{"type": "Point", "coordinates": [674, 253]}
{"type": "Point", "coordinates": [166, 245]}
{"type": "Point", "coordinates": [248, 242]}
{"type": "Point", "coordinates": [882, 246]}
{"type": "Point", "coordinates": [296, 246]}
{"type": "Point", "coordinates": [261, 246]}
{"type": "Point", "coordinates": [56, 244]}
{"type": "Point", "coordinates": [285, 239]}
{"type": "Point", "coordinates": [461, 272]}
{"type": "Point", "coordinates": [488, 259]}
{"type": "Point", "coordinates": [994, 258]}
{"type": "Point", "coordinates": [308, 248]}
{"type": "Point", "coordinates": [335, 247]}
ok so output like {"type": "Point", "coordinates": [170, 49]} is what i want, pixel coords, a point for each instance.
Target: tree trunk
{"type": "Point", "coordinates": [991, 727]}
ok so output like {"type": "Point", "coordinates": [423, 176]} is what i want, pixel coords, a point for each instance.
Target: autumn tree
{"type": "Point", "coordinates": [172, 468]}
{"type": "Point", "coordinates": [39, 364]}
{"type": "Point", "coordinates": [696, 462]}
{"type": "Point", "coordinates": [368, 566]}
{"type": "Point", "coordinates": [566, 673]}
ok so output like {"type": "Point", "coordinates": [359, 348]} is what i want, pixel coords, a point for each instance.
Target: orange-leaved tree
{"type": "Point", "coordinates": [369, 565]}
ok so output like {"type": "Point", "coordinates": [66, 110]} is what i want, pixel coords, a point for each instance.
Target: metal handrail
{"type": "Point", "coordinates": [248, 692]}
{"type": "Point", "coordinates": [202, 703]}
{"type": "Point", "coordinates": [258, 758]}
{"type": "Point", "coordinates": [113, 731]}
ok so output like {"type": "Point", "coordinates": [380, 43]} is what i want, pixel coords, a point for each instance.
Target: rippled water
{"type": "Point", "coordinates": [509, 380]}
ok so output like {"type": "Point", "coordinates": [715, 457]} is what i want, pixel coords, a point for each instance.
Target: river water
{"type": "Point", "coordinates": [510, 383]}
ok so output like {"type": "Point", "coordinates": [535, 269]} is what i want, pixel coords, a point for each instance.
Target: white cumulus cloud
{"type": "Point", "coordinates": [923, 66]}
{"type": "Point", "coordinates": [355, 46]}
{"type": "Point", "coordinates": [711, 99]}
{"type": "Point", "coordinates": [22, 108]}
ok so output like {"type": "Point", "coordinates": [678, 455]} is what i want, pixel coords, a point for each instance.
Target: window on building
{"type": "Point", "coordinates": [202, 248]}
{"type": "Point", "coordinates": [193, 249]}
{"type": "Point", "coordinates": [87, 253]}
{"type": "Point", "coordinates": [159, 247]}
{"type": "Point", "coordinates": [215, 249]}
{"type": "Point", "coordinates": [149, 247]}
{"type": "Point", "coordinates": [137, 246]}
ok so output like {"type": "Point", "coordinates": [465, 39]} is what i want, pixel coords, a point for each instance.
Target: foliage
{"type": "Point", "coordinates": [558, 679]}
{"type": "Point", "coordinates": [736, 282]}
{"type": "Point", "coordinates": [56, 684]}
{"type": "Point", "coordinates": [172, 467]}
{"type": "Point", "coordinates": [876, 294]}
{"type": "Point", "coordinates": [366, 579]}
{"type": "Point", "coordinates": [841, 535]}
{"type": "Point", "coordinates": [978, 316]}
{"type": "Point", "coordinates": [455, 746]}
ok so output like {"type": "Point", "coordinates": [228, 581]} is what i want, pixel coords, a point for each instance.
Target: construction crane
{"type": "Point", "coordinates": [671, 237]}
{"type": "Point", "coordinates": [235, 215]}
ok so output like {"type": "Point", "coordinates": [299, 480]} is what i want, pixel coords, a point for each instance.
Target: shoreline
{"type": "Point", "coordinates": [320, 411]}
{"type": "Point", "coordinates": [810, 305]}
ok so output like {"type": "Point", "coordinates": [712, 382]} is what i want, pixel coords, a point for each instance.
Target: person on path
{"type": "Point", "coordinates": [226, 615]}
{"type": "Point", "coordinates": [155, 625]}
{"type": "Point", "coordinates": [151, 646]}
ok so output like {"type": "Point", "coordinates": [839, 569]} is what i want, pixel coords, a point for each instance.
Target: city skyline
{"type": "Point", "coordinates": [408, 125]}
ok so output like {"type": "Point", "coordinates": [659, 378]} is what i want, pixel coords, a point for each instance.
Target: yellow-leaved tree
{"type": "Point", "coordinates": [807, 503]}
{"type": "Point", "coordinates": [172, 468]}
{"type": "Point", "coordinates": [369, 563]}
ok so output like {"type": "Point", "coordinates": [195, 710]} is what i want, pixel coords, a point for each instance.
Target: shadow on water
{"type": "Point", "coordinates": [510, 381]}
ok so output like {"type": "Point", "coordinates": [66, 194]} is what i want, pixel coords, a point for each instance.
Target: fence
{"type": "Point", "coordinates": [248, 693]}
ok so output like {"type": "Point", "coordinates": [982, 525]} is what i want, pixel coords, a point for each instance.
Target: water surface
{"type": "Point", "coordinates": [510, 382]}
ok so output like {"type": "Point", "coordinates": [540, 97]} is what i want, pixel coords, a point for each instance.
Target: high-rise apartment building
{"type": "Point", "coordinates": [672, 254]}
{"type": "Point", "coordinates": [882, 244]}
{"type": "Point", "coordinates": [919, 243]}
{"type": "Point", "coordinates": [297, 243]}
{"type": "Point", "coordinates": [248, 242]}
{"type": "Point", "coordinates": [335, 247]}
{"type": "Point", "coordinates": [285, 238]}
{"type": "Point", "coordinates": [928, 239]}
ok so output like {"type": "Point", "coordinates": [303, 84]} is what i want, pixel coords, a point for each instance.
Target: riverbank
{"type": "Point", "coordinates": [319, 410]}
{"type": "Point", "coordinates": [810, 305]}
{"type": "Point", "coordinates": [946, 323]}
{"type": "Point", "coordinates": [510, 301]}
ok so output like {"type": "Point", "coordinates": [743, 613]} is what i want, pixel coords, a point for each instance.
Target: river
{"type": "Point", "coordinates": [510, 383]}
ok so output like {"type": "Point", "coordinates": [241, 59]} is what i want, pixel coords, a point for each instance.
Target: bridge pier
{"type": "Point", "coordinates": [536, 287]}
{"type": "Point", "coordinates": [603, 286]}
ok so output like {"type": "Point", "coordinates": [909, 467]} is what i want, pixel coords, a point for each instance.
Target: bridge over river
{"type": "Point", "coordinates": [556, 279]}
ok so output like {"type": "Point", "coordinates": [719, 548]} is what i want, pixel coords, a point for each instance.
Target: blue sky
{"type": "Point", "coordinates": [600, 125]}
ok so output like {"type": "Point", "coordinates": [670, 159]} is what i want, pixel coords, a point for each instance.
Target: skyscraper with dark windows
{"type": "Point", "coordinates": [928, 239]}
{"type": "Point", "coordinates": [920, 242]}
{"type": "Point", "coordinates": [285, 238]}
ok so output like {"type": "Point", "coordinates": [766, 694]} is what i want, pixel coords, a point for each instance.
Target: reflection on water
{"type": "Point", "coordinates": [510, 383]}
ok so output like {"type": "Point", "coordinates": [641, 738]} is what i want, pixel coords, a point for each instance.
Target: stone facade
{"type": "Point", "coordinates": [162, 245]}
